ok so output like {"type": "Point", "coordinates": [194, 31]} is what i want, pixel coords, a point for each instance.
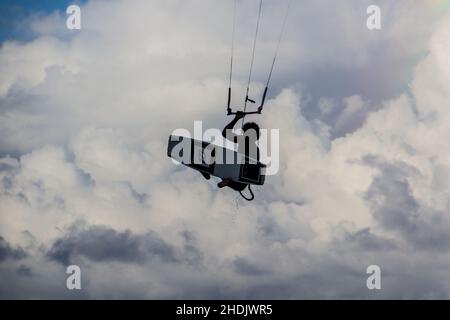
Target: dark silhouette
{"type": "Point", "coordinates": [246, 143]}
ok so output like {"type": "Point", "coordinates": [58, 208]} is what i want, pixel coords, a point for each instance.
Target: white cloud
{"type": "Point", "coordinates": [86, 118]}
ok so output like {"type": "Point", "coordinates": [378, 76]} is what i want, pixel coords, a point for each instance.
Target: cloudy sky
{"type": "Point", "coordinates": [364, 153]}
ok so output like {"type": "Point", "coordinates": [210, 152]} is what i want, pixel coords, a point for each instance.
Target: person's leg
{"type": "Point", "coordinates": [237, 186]}
{"type": "Point", "coordinates": [228, 182]}
{"type": "Point", "coordinates": [224, 183]}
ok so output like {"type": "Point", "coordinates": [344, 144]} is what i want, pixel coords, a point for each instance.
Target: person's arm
{"type": "Point", "coordinates": [227, 132]}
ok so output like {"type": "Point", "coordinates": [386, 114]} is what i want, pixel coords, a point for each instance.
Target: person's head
{"type": "Point", "coordinates": [251, 128]}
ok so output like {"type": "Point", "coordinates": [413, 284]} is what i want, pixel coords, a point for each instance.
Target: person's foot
{"type": "Point", "coordinates": [206, 175]}
{"type": "Point", "coordinates": [225, 182]}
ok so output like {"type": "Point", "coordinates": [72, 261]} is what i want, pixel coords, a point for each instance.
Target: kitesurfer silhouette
{"type": "Point", "coordinates": [246, 145]}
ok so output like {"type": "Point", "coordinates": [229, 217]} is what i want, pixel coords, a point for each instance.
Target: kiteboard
{"type": "Point", "coordinates": [216, 160]}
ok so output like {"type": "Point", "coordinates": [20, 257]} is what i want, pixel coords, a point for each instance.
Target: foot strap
{"type": "Point", "coordinates": [251, 193]}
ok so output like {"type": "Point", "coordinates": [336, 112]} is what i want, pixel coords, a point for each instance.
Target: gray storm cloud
{"type": "Point", "coordinates": [364, 153]}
